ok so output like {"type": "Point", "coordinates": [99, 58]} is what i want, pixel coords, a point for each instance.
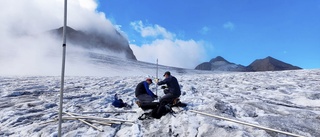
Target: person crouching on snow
{"type": "Point", "coordinates": [144, 94]}
{"type": "Point", "coordinates": [173, 92]}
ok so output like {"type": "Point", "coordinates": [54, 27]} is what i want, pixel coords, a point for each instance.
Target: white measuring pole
{"type": "Point", "coordinates": [63, 66]}
{"type": "Point", "coordinates": [157, 79]}
{"type": "Point", "coordinates": [248, 124]}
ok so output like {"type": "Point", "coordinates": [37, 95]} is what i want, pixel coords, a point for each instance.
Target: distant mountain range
{"type": "Point", "coordinates": [118, 44]}
{"type": "Point", "coordinates": [115, 42]}
{"type": "Point", "coordinates": [266, 64]}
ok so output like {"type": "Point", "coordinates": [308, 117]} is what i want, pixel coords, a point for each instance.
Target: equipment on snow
{"type": "Point", "coordinates": [93, 112]}
{"type": "Point", "coordinates": [118, 102]}
{"type": "Point", "coordinates": [147, 105]}
{"type": "Point", "coordinates": [248, 124]}
{"type": "Point", "coordinates": [64, 46]}
{"type": "Point", "coordinates": [101, 130]}
{"type": "Point", "coordinates": [162, 110]}
{"type": "Point", "coordinates": [157, 79]}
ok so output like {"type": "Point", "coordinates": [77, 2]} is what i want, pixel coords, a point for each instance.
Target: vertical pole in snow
{"type": "Point", "coordinates": [157, 79]}
{"type": "Point", "coordinates": [63, 66]}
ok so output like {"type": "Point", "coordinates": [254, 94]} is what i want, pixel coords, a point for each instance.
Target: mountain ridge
{"type": "Point", "coordinates": [271, 64]}
{"type": "Point", "coordinates": [267, 64]}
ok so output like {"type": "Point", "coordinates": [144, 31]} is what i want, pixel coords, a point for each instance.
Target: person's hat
{"type": "Point", "coordinates": [167, 73]}
{"type": "Point", "coordinates": [148, 79]}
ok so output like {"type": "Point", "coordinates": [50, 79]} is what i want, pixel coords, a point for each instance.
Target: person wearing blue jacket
{"type": "Point", "coordinates": [173, 90]}
{"type": "Point", "coordinates": [144, 94]}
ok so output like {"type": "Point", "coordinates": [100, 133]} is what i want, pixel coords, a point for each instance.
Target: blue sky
{"type": "Point", "coordinates": [238, 30]}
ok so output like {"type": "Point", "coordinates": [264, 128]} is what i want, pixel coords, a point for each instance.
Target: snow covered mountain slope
{"type": "Point", "coordinates": [113, 41]}
{"type": "Point", "coordinates": [287, 101]}
{"type": "Point", "coordinates": [79, 62]}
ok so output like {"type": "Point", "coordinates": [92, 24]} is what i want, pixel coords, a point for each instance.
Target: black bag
{"type": "Point", "coordinates": [157, 112]}
{"type": "Point", "coordinates": [150, 105]}
{"type": "Point", "coordinates": [160, 111]}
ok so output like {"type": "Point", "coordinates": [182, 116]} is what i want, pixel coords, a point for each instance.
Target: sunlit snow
{"type": "Point", "coordinates": [283, 100]}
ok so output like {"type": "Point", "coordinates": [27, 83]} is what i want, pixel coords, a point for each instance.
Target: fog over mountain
{"type": "Point", "coordinates": [116, 44]}
{"type": "Point", "coordinates": [26, 48]}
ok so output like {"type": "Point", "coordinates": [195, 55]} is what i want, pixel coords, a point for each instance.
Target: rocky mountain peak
{"type": "Point", "coordinates": [115, 42]}
{"type": "Point", "coordinates": [271, 64]}
{"type": "Point", "coordinates": [218, 58]}
{"type": "Point", "coordinates": [220, 64]}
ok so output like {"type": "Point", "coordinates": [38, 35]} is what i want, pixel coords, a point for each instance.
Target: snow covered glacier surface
{"type": "Point", "coordinates": [285, 100]}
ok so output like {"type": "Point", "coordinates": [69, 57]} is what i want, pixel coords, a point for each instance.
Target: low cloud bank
{"type": "Point", "coordinates": [25, 49]}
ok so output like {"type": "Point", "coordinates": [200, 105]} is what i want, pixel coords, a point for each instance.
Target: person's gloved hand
{"type": "Point", "coordinates": [156, 80]}
{"type": "Point", "coordinates": [163, 87]}
{"type": "Point", "coordinates": [155, 96]}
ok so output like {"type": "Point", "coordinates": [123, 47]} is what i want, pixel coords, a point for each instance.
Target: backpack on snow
{"type": "Point", "coordinates": [118, 102]}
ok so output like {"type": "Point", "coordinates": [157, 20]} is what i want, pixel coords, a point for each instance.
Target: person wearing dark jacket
{"type": "Point", "coordinates": [173, 90]}
{"type": "Point", "coordinates": [145, 95]}
{"type": "Point", "coordinates": [172, 93]}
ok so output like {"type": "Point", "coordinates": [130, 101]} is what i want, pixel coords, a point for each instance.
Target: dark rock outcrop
{"type": "Point", "coordinates": [270, 64]}
{"type": "Point", "coordinates": [115, 43]}
{"type": "Point", "coordinates": [204, 66]}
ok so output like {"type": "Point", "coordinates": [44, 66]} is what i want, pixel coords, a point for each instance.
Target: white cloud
{"type": "Point", "coordinates": [204, 30]}
{"type": "Point", "coordinates": [22, 53]}
{"type": "Point", "coordinates": [168, 50]}
{"type": "Point", "coordinates": [34, 16]}
{"type": "Point", "coordinates": [151, 31]}
{"type": "Point", "coordinates": [229, 25]}
{"type": "Point", "coordinates": [88, 4]}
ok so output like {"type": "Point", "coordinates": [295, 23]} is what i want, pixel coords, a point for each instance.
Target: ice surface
{"type": "Point", "coordinates": [283, 100]}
